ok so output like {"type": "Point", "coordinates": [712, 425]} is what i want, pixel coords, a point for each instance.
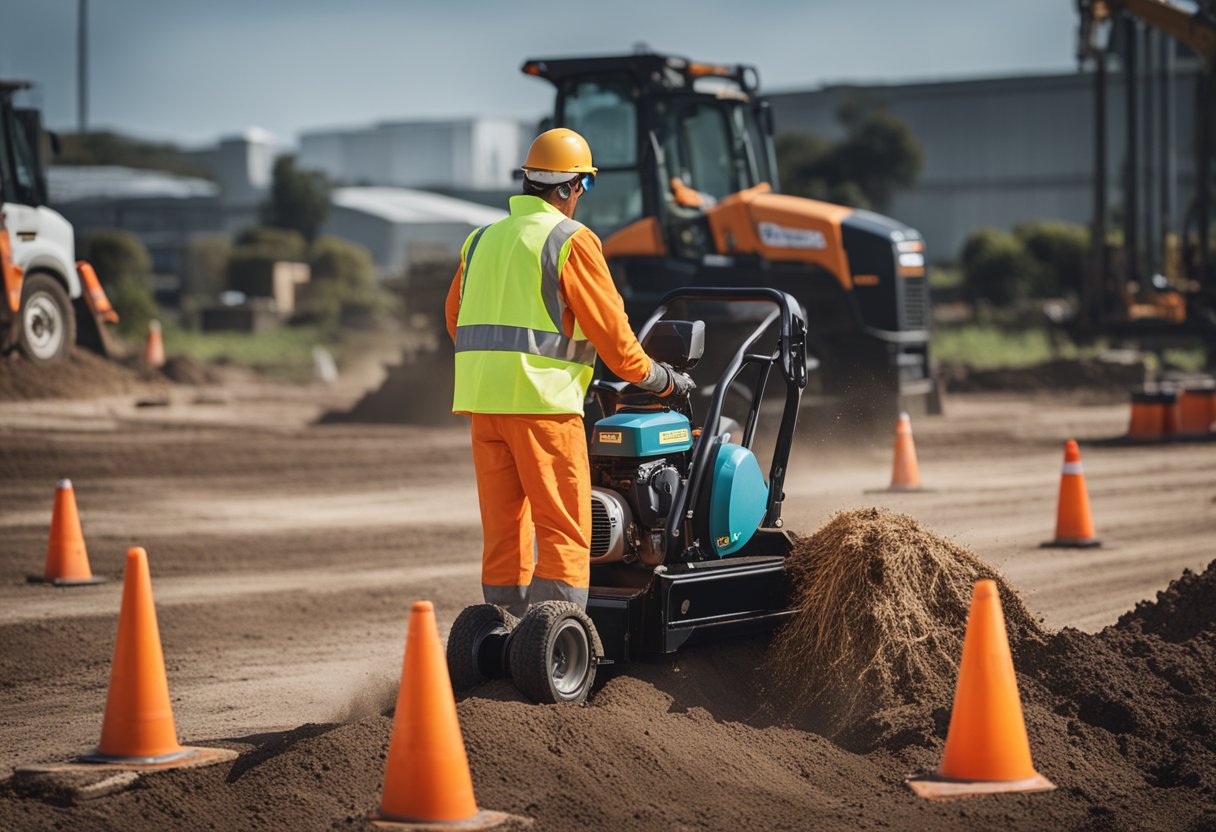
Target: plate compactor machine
{"type": "Point", "coordinates": [687, 542]}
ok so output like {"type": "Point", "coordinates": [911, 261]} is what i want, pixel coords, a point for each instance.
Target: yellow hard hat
{"type": "Point", "coordinates": [559, 150]}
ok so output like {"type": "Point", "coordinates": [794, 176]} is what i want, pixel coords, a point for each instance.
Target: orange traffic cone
{"type": "Point", "coordinates": [905, 473]}
{"type": "Point", "coordinates": [987, 749]}
{"type": "Point", "coordinates": [138, 729]}
{"type": "Point", "coordinates": [154, 348]}
{"type": "Point", "coordinates": [427, 779]}
{"type": "Point", "coordinates": [67, 560]}
{"type": "Point", "coordinates": [1074, 525]}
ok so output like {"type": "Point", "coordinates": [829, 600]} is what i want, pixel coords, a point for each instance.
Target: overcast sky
{"type": "Point", "coordinates": [193, 70]}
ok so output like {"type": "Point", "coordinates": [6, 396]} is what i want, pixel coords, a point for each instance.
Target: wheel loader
{"type": "Point", "coordinates": [51, 301]}
{"type": "Point", "coordinates": [687, 195]}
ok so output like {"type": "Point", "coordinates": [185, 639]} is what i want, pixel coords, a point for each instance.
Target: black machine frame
{"type": "Point", "coordinates": [694, 595]}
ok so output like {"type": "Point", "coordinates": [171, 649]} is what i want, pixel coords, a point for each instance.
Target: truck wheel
{"type": "Point", "coordinates": [554, 652]}
{"type": "Point", "coordinates": [46, 320]}
{"type": "Point", "coordinates": [477, 645]}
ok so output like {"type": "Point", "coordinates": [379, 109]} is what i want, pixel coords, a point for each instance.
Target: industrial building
{"type": "Point", "coordinates": [478, 154]}
{"type": "Point", "coordinates": [999, 151]}
{"type": "Point", "coordinates": [402, 227]}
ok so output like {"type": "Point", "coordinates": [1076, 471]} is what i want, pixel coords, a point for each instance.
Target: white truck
{"type": "Point", "coordinates": [51, 301]}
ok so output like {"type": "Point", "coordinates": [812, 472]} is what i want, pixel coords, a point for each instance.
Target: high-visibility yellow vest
{"type": "Point", "coordinates": [511, 353]}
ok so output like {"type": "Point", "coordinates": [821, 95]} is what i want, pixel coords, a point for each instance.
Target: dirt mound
{"type": "Point", "coordinates": [1145, 683]}
{"type": "Point", "coordinates": [882, 607]}
{"type": "Point", "coordinates": [1124, 722]}
{"type": "Point", "coordinates": [82, 375]}
{"type": "Point", "coordinates": [1059, 374]}
{"type": "Point", "coordinates": [1181, 612]}
{"type": "Point", "coordinates": [417, 391]}
{"type": "Point", "coordinates": [185, 370]}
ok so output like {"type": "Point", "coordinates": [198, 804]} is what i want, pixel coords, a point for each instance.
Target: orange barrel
{"type": "Point", "coordinates": [1195, 407]}
{"type": "Point", "coordinates": [1148, 417]}
{"type": "Point", "coordinates": [1171, 419]}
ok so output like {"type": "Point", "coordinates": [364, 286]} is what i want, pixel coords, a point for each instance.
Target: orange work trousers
{"type": "Point", "coordinates": [532, 472]}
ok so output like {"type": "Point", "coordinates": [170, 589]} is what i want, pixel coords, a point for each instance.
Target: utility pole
{"type": "Point", "coordinates": [82, 67]}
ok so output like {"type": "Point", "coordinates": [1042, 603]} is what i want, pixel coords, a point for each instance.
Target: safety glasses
{"type": "Point", "coordinates": [587, 181]}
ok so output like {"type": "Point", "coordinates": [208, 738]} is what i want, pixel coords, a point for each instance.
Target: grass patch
{"type": "Point", "coordinates": [284, 353]}
{"type": "Point", "coordinates": [945, 278]}
{"type": "Point", "coordinates": [987, 347]}
{"type": "Point", "coordinates": [1191, 360]}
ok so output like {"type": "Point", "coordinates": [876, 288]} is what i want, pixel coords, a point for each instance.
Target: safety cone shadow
{"type": "Point", "coordinates": [67, 559]}
{"type": "Point", "coordinates": [987, 750]}
{"type": "Point", "coordinates": [138, 732]}
{"type": "Point", "coordinates": [1074, 524]}
{"type": "Point", "coordinates": [427, 783]}
{"type": "Point", "coordinates": [905, 472]}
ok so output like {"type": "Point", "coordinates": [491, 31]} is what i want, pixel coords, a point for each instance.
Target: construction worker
{"type": "Point", "coordinates": [530, 307]}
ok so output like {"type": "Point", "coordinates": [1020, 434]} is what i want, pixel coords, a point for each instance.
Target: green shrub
{"type": "Point", "coordinates": [274, 243]}
{"type": "Point", "coordinates": [343, 277]}
{"type": "Point", "coordinates": [125, 270]}
{"type": "Point", "coordinates": [1060, 250]}
{"type": "Point", "coordinates": [997, 268]}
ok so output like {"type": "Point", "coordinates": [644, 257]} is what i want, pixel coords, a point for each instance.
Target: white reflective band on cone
{"type": "Point", "coordinates": [1072, 468]}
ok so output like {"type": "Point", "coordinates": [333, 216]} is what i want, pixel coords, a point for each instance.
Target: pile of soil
{"type": "Point", "coordinates": [1060, 374]}
{"type": "Point", "coordinates": [82, 375]}
{"type": "Point", "coordinates": [882, 608]}
{"type": "Point", "coordinates": [183, 369]}
{"type": "Point", "coordinates": [417, 391]}
{"type": "Point", "coordinates": [1124, 722]}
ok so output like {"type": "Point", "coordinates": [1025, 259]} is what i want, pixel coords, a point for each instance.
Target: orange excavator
{"type": "Point", "coordinates": [687, 196]}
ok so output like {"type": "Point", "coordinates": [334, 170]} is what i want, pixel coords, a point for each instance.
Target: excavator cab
{"type": "Point", "coordinates": [686, 196]}
{"type": "Point", "coordinates": [670, 138]}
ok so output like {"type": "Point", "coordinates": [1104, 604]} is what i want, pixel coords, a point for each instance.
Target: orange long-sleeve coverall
{"type": "Point", "coordinates": [532, 470]}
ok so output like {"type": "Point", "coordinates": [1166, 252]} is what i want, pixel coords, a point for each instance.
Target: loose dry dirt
{"type": "Point", "coordinates": [285, 556]}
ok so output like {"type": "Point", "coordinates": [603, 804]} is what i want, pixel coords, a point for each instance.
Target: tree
{"type": "Point", "coordinates": [299, 199]}
{"type": "Point", "coordinates": [105, 148]}
{"type": "Point", "coordinates": [878, 155]}
{"type": "Point", "coordinates": [881, 155]}
{"type": "Point", "coordinates": [125, 270]}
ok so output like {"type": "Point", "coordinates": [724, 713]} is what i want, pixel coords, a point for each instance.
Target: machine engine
{"type": "Point", "coordinates": [639, 461]}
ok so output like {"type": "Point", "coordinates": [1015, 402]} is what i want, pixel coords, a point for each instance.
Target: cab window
{"type": "Point", "coordinates": [698, 146]}
{"type": "Point", "coordinates": [603, 111]}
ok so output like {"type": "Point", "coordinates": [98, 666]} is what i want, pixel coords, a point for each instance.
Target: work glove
{"type": "Point", "coordinates": [663, 381]}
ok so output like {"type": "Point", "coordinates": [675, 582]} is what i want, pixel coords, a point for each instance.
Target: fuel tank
{"type": "Point", "coordinates": [641, 434]}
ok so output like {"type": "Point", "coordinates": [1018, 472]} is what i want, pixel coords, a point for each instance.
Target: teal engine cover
{"type": "Point", "coordinates": [738, 499]}
{"type": "Point", "coordinates": [649, 433]}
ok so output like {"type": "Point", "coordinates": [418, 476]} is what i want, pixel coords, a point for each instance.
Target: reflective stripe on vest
{"type": "Point", "coordinates": [512, 355]}
{"type": "Point", "coordinates": [499, 338]}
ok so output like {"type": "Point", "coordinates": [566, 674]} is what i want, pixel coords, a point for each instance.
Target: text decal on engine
{"type": "Point", "coordinates": [612, 437]}
{"type": "Point", "coordinates": [779, 236]}
{"type": "Point", "coordinates": [669, 437]}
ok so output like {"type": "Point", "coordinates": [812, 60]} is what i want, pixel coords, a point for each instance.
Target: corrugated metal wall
{"type": "Point", "coordinates": [1000, 151]}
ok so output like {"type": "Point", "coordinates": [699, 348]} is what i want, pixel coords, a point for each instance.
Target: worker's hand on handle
{"type": "Point", "coordinates": [663, 381]}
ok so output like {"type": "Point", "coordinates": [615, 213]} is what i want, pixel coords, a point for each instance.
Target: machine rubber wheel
{"type": "Point", "coordinates": [468, 663]}
{"type": "Point", "coordinates": [554, 652]}
{"type": "Point", "coordinates": [46, 322]}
